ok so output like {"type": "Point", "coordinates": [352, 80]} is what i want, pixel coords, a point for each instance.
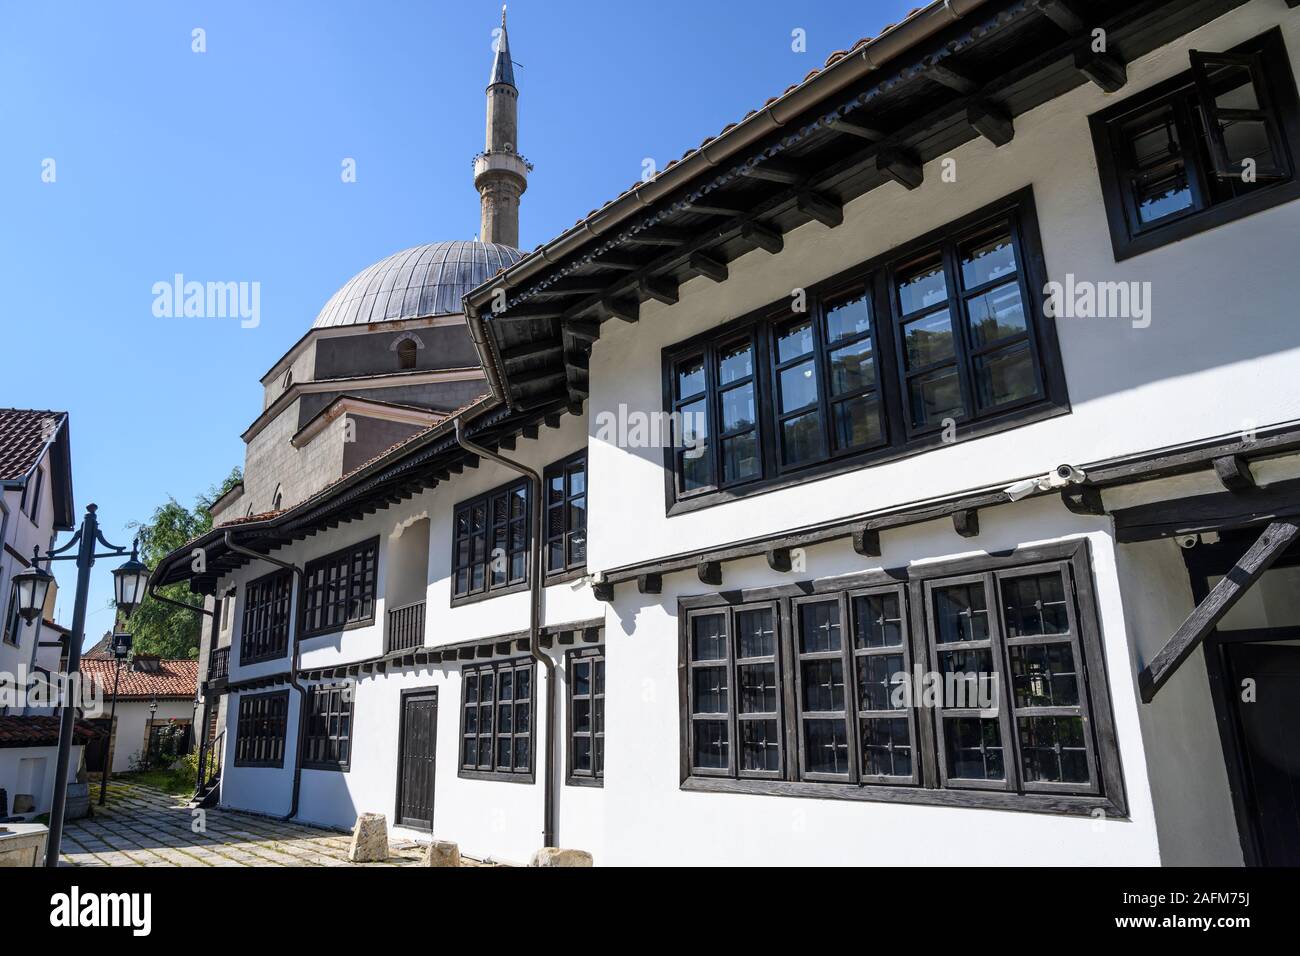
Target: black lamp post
{"type": "Point", "coordinates": [33, 585]}
{"type": "Point", "coordinates": [121, 649]}
{"type": "Point", "coordinates": [148, 744]}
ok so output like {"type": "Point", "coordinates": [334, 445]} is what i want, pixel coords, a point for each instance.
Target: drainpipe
{"type": "Point", "coordinates": [550, 823]}
{"type": "Point", "coordinates": [293, 667]}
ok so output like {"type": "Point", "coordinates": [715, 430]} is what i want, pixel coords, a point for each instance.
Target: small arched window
{"type": "Point", "coordinates": [288, 378]}
{"type": "Point", "coordinates": [278, 499]}
{"type": "Point", "coordinates": [406, 353]}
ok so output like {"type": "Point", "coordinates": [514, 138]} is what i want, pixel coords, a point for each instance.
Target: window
{"type": "Point", "coordinates": [983, 680]}
{"type": "Point", "coordinates": [265, 634]}
{"type": "Point", "coordinates": [277, 499]}
{"type": "Point", "coordinates": [13, 622]}
{"type": "Point", "coordinates": [496, 720]}
{"type": "Point", "coordinates": [406, 353]}
{"type": "Point", "coordinates": [490, 544]}
{"type": "Point", "coordinates": [327, 744]}
{"type": "Point", "coordinates": [943, 333]}
{"type": "Point", "coordinates": [1208, 146]}
{"type": "Point", "coordinates": [260, 729]}
{"type": "Point", "coordinates": [339, 589]}
{"type": "Point", "coordinates": [566, 515]}
{"type": "Point", "coordinates": [38, 480]}
{"type": "Point", "coordinates": [587, 716]}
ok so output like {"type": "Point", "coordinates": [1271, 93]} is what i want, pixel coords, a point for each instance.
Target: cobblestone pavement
{"type": "Point", "coordinates": [141, 826]}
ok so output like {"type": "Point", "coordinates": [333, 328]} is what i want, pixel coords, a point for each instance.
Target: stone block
{"type": "Point", "coordinates": [441, 853]}
{"type": "Point", "coordinates": [369, 839]}
{"type": "Point", "coordinates": [555, 856]}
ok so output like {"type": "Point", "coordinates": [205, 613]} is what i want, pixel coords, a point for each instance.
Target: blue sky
{"type": "Point", "coordinates": [225, 166]}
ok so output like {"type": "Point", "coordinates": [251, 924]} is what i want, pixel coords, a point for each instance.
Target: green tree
{"type": "Point", "coordinates": [164, 629]}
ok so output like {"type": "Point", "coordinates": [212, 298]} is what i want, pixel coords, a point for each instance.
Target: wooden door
{"type": "Point", "coordinates": [416, 759]}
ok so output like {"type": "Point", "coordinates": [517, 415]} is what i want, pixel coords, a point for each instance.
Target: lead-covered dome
{"type": "Point", "coordinates": [421, 281]}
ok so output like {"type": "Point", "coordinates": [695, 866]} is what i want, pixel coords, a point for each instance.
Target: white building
{"type": "Point", "coordinates": [987, 333]}
{"type": "Point", "coordinates": [153, 695]}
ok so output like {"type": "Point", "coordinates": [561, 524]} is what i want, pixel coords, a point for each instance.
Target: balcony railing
{"type": "Point", "coordinates": [219, 663]}
{"type": "Point", "coordinates": [405, 628]}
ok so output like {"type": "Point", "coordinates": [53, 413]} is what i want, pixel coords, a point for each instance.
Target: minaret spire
{"type": "Point", "coordinates": [500, 173]}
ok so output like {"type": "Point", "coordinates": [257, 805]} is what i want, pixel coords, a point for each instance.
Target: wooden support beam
{"type": "Point", "coordinates": [552, 420]}
{"type": "Point", "coordinates": [866, 542]}
{"type": "Point", "coordinates": [661, 290]}
{"type": "Point", "coordinates": [465, 654]}
{"type": "Point", "coordinates": [541, 377]}
{"type": "Point", "coordinates": [856, 129]}
{"type": "Point", "coordinates": [1106, 70]}
{"type": "Point", "coordinates": [620, 263]}
{"type": "Point", "coordinates": [1083, 500]}
{"type": "Point", "coordinates": [709, 572]}
{"type": "Point", "coordinates": [966, 522]}
{"type": "Point", "coordinates": [1259, 557]}
{"type": "Point", "coordinates": [821, 207]}
{"type": "Point", "coordinates": [591, 635]}
{"type": "Point", "coordinates": [706, 265]}
{"type": "Point", "coordinates": [952, 78]}
{"type": "Point", "coordinates": [661, 236]}
{"type": "Point", "coordinates": [760, 235]}
{"type": "Point", "coordinates": [603, 591]}
{"type": "Point", "coordinates": [778, 559]}
{"type": "Point", "coordinates": [525, 314]}
{"type": "Point", "coordinates": [649, 583]}
{"type": "Point", "coordinates": [1234, 473]}
{"type": "Point", "coordinates": [584, 330]}
{"type": "Point", "coordinates": [902, 166]}
{"type": "Point", "coordinates": [710, 210]}
{"type": "Point", "coordinates": [507, 442]}
{"type": "Point", "coordinates": [576, 362]}
{"type": "Point", "coordinates": [1063, 14]}
{"type": "Point", "coordinates": [774, 171]}
{"type": "Point", "coordinates": [629, 310]}
{"type": "Point", "coordinates": [565, 638]}
{"type": "Point", "coordinates": [529, 431]}
{"type": "Point", "coordinates": [546, 641]}
{"type": "Point", "coordinates": [991, 121]}
{"type": "Point", "coordinates": [532, 350]}
{"type": "Point", "coordinates": [521, 644]}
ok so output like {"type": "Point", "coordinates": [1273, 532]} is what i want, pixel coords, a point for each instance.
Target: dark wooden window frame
{"type": "Point", "coordinates": [488, 589]}
{"type": "Point", "coordinates": [594, 777]}
{"type": "Point", "coordinates": [571, 569]}
{"type": "Point", "coordinates": [261, 724]}
{"type": "Point", "coordinates": [267, 615]}
{"type": "Point", "coordinates": [13, 622]}
{"type": "Point", "coordinates": [338, 702]}
{"type": "Point", "coordinates": [315, 594]}
{"type": "Point", "coordinates": [899, 440]}
{"type": "Point", "coordinates": [1179, 93]}
{"type": "Point", "coordinates": [489, 771]}
{"type": "Point", "coordinates": [1104, 795]}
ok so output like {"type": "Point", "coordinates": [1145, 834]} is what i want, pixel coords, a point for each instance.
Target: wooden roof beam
{"type": "Point", "coordinates": [707, 265]}
{"type": "Point", "coordinates": [1064, 14]}
{"type": "Point", "coordinates": [629, 310]}
{"type": "Point", "coordinates": [769, 240]}
{"type": "Point", "coordinates": [583, 330]}
{"type": "Point", "coordinates": [870, 134]}
{"type": "Point", "coordinates": [1106, 70]}
{"type": "Point", "coordinates": [774, 171]}
{"type": "Point", "coordinates": [520, 354]}
{"type": "Point", "coordinates": [902, 166]}
{"type": "Point", "coordinates": [991, 121]}
{"type": "Point", "coordinates": [821, 207]}
{"type": "Point", "coordinates": [661, 290]}
{"type": "Point", "coordinates": [952, 78]}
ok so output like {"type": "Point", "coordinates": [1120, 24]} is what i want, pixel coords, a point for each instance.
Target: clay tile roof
{"type": "Point", "coordinates": [174, 678]}
{"type": "Point", "coordinates": [39, 731]}
{"type": "Point", "coordinates": [23, 434]}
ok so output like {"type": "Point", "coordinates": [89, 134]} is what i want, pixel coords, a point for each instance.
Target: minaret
{"type": "Point", "coordinates": [500, 173]}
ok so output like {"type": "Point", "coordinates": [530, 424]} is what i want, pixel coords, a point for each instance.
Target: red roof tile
{"type": "Point", "coordinates": [39, 731]}
{"type": "Point", "coordinates": [174, 678]}
{"type": "Point", "coordinates": [23, 435]}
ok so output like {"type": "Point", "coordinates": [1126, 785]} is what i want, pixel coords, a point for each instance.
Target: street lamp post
{"type": "Point", "coordinates": [121, 648]}
{"type": "Point", "coordinates": [148, 744]}
{"type": "Point", "coordinates": [32, 586]}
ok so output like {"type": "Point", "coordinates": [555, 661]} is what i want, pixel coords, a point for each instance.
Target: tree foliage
{"type": "Point", "coordinates": [164, 629]}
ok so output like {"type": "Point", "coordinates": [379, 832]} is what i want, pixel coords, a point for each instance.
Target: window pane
{"type": "Point", "coordinates": [690, 377]}
{"type": "Point", "coordinates": [734, 363]}
{"type": "Point", "coordinates": [754, 631]}
{"type": "Point", "coordinates": [801, 439]}
{"type": "Point", "coordinates": [757, 688]}
{"type": "Point", "coordinates": [738, 408]}
{"type": "Point", "coordinates": [987, 257]}
{"type": "Point", "coordinates": [1233, 86]}
{"type": "Point", "coordinates": [709, 638]}
{"type": "Point", "coordinates": [696, 472]}
{"type": "Point", "coordinates": [794, 340]}
{"type": "Point", "coordinates": [581, 753]}
{"type": "Point", "coordinates": [974, 746]}
{"type": "Point", "coordinates": [711, 746]}
{"type": "Point", "coordinates": [1160, 186]}
{"type": "Point", "coordinates": [582, 677]}
{"type": "Point", "coordinates": [823, 685]}
{"type": "Point", "coordinates": [996, 314]}
{"type": "Point", "coordinates": [798, 386]}
{"type": "Point", "coordinates": [961, 613]}
{"type": "Point", "coordinates": [826, 746]}
{"type": "Point", "coordinates": [522, 714]}
{"type": "Point", "coordinates": [521, 753]}
{"type": "Point", "coordinates": [1052, 749]}
{"type": "Point", "coordinates": [710, 690]}
{"type": "Point", "coordinates": [886, 747]}
{"type": "Point", "coordinates": [928, 339]}
{"type": "Point", "coordinates": [857, 422]}
{"type": "Point", "coordinates": [877, 622]}
{"type": "Point", "coordinates": [1006, 375]}
{"type": "Point", "coordinates": [876, 674]}
{"type": "Point", "coordinates": [848, 320]}
{"type": "Point", "coordinates": [1044, 675]}
{"type": "Point", "coordinates": [922, 285]}
{"type": "Point", "coordinates": [1035, 605]}
{"type": "Point", "coordinates": [819, 627]}
{"type": "Point", "coordinates": [523, 683]}
{"type": "Point", "coordinates": [853, 367]}
{"type": "Point", "coordinates": [760, 748]}
{"type": "Point", "coordinates": [582, 716]}
{"type": "Point", "coordinates": [935, 396]}
{"type": "Point", "coordinates": [504, 751]}
{"type": "Point", "coordinates": [555, 489]}
{"type": "Point", "coordinates": [1247, 139]}
{"type": "Point", "coordinates": [740, 457]}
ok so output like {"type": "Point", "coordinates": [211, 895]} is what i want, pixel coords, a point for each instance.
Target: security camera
{"type": "Point", "coordinates": [1188, 541]}
{"type": "Point", "coordinates": [1021, 489]}
{"type": "Point", "coordinates": [1069, 474]}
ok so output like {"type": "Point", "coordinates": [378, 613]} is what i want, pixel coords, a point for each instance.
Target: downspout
{"type": "Point", "coordinates": [293, 667]}
{"type": "Point", "coordinates": [550, 823]}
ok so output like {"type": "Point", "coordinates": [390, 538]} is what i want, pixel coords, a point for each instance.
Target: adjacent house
{"type": "Point", "coordinates": [35, 504]}
{"type": "Point", "coordinates": [155, 699]}
{"type": "Point", "coordinates": [908, 474]}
